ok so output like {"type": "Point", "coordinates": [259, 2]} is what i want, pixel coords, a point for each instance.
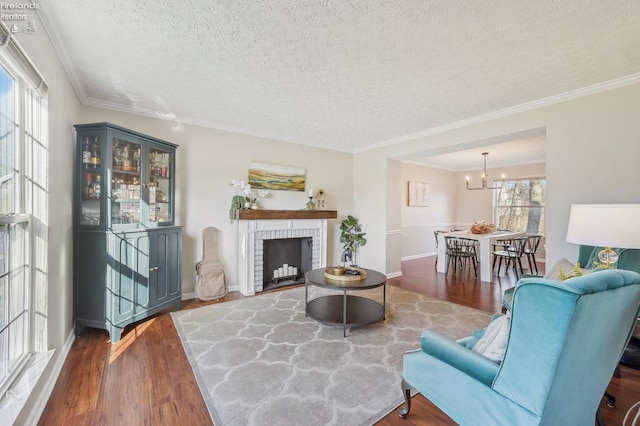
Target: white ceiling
{"type": "Point", "coordinates": [345, 75]}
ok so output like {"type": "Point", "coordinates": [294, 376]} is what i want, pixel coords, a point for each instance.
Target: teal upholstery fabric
{"type": "Point", "coordinates": [628, 259]}
{"type": "Point", "coordinates": [560, 331]}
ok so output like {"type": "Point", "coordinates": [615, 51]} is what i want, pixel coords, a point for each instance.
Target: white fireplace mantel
{"type": "Point", "coordinates": [253, 232]}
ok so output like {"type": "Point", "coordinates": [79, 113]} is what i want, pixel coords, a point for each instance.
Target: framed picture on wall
{"type": "Point", "coordinates": [419, 194]}
{"type": "Point", "coordinates": [269, 176]}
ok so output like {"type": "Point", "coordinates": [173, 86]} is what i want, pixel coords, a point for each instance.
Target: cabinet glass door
{"type": "Point", "coordinates": [91, 187]}
{"type": "Point", "coordinates": [160, 187]}
{"type": "Point", "coordinates": [126, 197]}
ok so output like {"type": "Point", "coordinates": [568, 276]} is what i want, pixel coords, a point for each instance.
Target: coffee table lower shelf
{"type": "Point", "coordinates": [345, 310]}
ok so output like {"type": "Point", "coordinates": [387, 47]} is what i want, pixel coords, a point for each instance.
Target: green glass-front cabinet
{"type": "Point", "coordinates": [127, 249]}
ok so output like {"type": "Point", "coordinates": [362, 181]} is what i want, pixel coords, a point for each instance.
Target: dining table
{"type": "Point", "coordinates": [485, 248]}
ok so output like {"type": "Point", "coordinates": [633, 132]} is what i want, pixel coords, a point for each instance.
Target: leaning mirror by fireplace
{"type": "Point", "coordinates": [285, 261]}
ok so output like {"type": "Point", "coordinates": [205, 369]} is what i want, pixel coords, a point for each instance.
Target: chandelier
{"type": "Point", "coordinates": [484, 177]}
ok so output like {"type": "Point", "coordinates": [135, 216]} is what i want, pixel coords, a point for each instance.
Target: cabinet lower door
{"type": "Point", "coordinates": [165, 266]}
{"type": "Point", "coordinates": [146, 274]}
{"type": "Point", "coordinates": [126, 251]}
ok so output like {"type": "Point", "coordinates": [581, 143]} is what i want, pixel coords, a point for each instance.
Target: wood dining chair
{"type": "Point", "coordinates": [461, 251]}
{"type": "Point", "coordinates": [510, 251]}
{"type": "Point", "coordinates": [533, 241]}
{"type": "Point", "coordinates": [436, 233]}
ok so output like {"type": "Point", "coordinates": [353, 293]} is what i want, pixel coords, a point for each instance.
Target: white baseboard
{"type": "Point", "coordinates": [188, 296]}
{"type": "Point", "coordinates": [417, 256]}
{"type": "Point", "coordinates": [394, 274]}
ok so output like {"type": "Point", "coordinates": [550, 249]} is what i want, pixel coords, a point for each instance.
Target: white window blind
{"type": "Point", "coordinates": [23, 213]}
{"type": "Point", "coordinates": [14, 53]}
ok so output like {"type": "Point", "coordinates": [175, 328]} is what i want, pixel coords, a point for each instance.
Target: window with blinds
{"type": "Point", "coordinates": [23, 211]}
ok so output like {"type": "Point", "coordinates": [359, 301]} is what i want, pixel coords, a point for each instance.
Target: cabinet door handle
{"type": "Point", "coordinates": [155, 268]}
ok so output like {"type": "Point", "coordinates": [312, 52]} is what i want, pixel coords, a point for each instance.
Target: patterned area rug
{"type": "Point", "coordinates": [260, 361]}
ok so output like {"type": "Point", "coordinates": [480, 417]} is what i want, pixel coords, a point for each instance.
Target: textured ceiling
{"type": "Point", "coordinates": [339, 74]}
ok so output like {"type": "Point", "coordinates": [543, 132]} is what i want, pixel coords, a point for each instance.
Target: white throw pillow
{"type": "Point", "coordinates": [494, 341]}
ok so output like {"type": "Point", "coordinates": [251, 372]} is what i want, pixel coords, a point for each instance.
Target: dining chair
{"type": "Point", "coordinates": [436, 233]}
{"type": "Point", "coordinates": [511, 251]}
{"type": "Point", "coordinates": [533, 241]}
{"type": "Point", "coordinates": [461, 251]}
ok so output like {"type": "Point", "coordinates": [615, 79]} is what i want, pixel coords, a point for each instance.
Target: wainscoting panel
{"type": "Point", "coordinates": [419, 240]}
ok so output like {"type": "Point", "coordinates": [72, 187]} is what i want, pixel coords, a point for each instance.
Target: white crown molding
{"type": "Point", "coordinates": [551, 100]}
{"type": "Point", "coordinates": [200, 123]}
{"type": "Point", "coordinates": [47, 14]}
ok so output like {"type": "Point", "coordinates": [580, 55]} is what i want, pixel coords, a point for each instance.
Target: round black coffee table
{"type": "Point", "coordinates": [345, 309]}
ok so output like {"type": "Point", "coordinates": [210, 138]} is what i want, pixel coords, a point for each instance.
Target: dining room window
{"type": "Point", "coordinates": [519, 205]}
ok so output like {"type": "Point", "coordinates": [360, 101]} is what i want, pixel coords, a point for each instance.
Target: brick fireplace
{"type": "Point", "coordinates": [257, 226]}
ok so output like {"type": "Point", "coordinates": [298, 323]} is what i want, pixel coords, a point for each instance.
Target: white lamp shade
{"type": "Point", "coordinates": [605, 225]}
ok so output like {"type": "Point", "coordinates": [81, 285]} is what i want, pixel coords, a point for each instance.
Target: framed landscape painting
{"type": "Point", "coordinates": [419, 194]}
{"type": "Point", "coordinates": [268, 176]}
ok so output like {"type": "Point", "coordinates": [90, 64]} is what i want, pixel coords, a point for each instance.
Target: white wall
{"type": "Point", "coordinates": [63, 110]}
{"type": "Point", "coordinates": [207, 159]}
{"type": "Point", "coordinates": [370, 206]}
{"type": "Point", "coordinates": [419, 223]}
{"type": "Point", "coordinates": [394, 220]}
{"type": "Point", "coordinates": [593, 146]}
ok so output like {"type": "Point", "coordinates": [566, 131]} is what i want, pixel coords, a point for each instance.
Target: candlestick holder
{"type": "Point", "coordinates": [311, 205]}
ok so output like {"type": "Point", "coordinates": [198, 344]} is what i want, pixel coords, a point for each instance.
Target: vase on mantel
{"type": "Point", "coordinates": [254, 206]}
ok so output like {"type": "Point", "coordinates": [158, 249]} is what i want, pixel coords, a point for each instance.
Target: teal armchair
{"type": "Point", "coordinates": [565, 340]}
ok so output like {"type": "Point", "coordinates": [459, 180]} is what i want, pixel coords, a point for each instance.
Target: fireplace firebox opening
{"type": "Point", "coordinates": [283, 257]}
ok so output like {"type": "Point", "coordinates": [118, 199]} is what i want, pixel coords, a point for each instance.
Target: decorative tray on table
{"type": "Point", "coordinates": [351, 273]}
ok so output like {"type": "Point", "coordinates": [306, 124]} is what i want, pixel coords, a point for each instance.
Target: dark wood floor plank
{"type": "Point", "coordinates": [146, 378]}
{"type": "Point", "coordinates": [79, 381]}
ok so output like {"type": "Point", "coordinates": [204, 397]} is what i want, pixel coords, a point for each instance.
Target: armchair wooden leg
{"type": "Point", "coordinates": [406, 391]}
{"type": "Point", "coordinates": [611, 400]}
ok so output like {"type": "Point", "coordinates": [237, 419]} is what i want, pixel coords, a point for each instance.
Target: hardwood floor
{"type": "Point", "coordinates": [146, 377]}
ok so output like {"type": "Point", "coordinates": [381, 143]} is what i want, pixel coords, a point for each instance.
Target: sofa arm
{"type": "Point", "coordinates": [465, 360]}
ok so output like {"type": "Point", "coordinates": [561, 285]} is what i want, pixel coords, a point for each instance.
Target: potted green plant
{"type": "Point", "coordinates": [351, 236]}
